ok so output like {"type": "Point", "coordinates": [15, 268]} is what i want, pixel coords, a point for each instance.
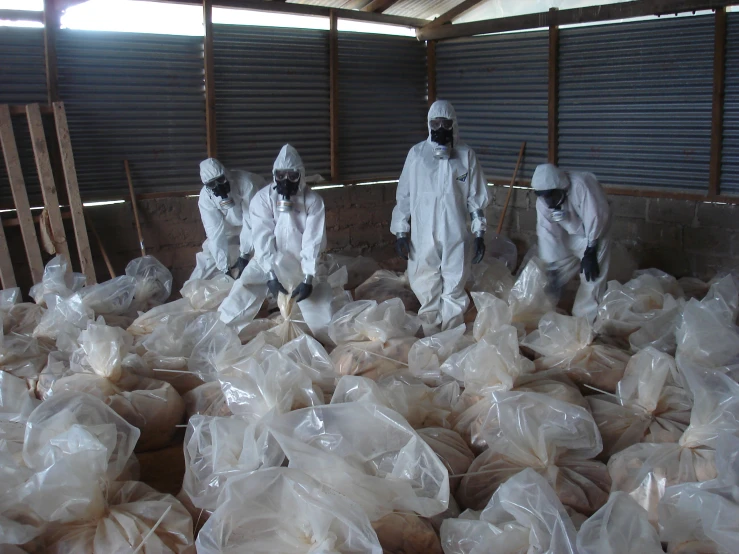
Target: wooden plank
{"type": "Point", "coordinates": [135, 208]}
{"type": "Point", "coordinates": [51, 26]}
{"type": "Point", "coordinates": [18, 110]}
{"type": "Point", "coordinates": [591, 14]}
{"type": "Point", "coordinates": [210, 81]}
{"type": "Point", "coordinates": [21, 15]}
{"type": "Point", "coordinates": [553, 82]}
{"type": "Point", "coordinates": [431, 71]}
{"type": "Point", "coordinates": [73, 193]}
{"type": "Point", "coordinates": [448, 16]}
{"type": "Point", "coordinates": [379, 6]}
{"type": "Point", "coordinates": [7, 276]}
{"type": "Point", "coordinates": [20, 197]}
{"type": "Point", "coordinates": [333, 54]}
{"type": "Point", "coordinates": [46, 178]}
{"type": "Point", "coordinates": [717, 114]}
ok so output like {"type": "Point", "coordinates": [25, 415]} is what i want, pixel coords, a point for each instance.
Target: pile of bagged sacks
{"type": "Point", "coordinates": [524, 430]}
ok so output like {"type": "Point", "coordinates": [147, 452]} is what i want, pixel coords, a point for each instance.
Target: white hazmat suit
{"type": "Point", "coordinates": [227, 226]}
{"type": "Point", "coordinates": [586, 221]}
{"type": "Point", "coordinates": [439, 196]}
{"type": "Point", "coordinates": [288, 243]}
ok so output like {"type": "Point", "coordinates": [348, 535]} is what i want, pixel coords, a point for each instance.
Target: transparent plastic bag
{"type": "Point", "coordinates": [428, 354]}
{"type": "Point", "coordinates": [555, 438]}
{"type": "Point", "coordinates": [312, 357]}
{"type": "Point", "coordinates": [650, 405]}
{"type": "Point", "coordinates": [373, 359]}
{"type": "Point", "coordinates": [359, 268]}
{"type": "Point", "coordinates": [368, 453]}
{"type": "Point", "coordinates": [135, 518]}
{"type": "Point", "coordinates": [290, 324]}
{"type": "Point", "coordinates": [21, 318]}
{"type": "Point", "coordinates": [212, 341]}
{"type": "Point", "coordinates": [406, 534]}
{"type": "Point", "coordinates": [207, 294]}
{"type": "Point", "coordinates": [452, 451]}
{"type": "Point", "coordinates": [660, 331]}
{"type": "Point", "coordinates": [65, 317]}
{"type": "Point", "coordinates": [366, 320]}
{"type": "Point", "coordinates": [621, 526]}
{"type": "Point", "coordinates": [17, 402]}
{"type": "Point", "coordinates": [23, 356]}
{"type": "Point", "coordinates": [153, 282]}
{"type": "Point", "coordinates": [288, 511]}
{"type": "Point", "coordinates": [207, 400]}
{"type": "Point", "coordinates": [145, 323]}
{"type": "Point", "coordinates": [112, 297]}
{"type": "Point", "coordinates": [529, 298]}
{"type": "Point", "coordinates": [57, 280]}
{"type": "Point", "coordinates": [524, 515]}
{"type": "Point", "coordinates": [492, 276]}
{"type": "Point", "coordinates": [9, 298]}
{"type": "Point", "coordinates": [387, 285]}
{"type": "Point", "coordinates": [218, 448]}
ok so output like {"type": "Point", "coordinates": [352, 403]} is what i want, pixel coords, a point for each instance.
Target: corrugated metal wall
{"type": "Point", "coordinates": [22, 81]}
{"type": "Point", "coordinates": [730, 153]}
{"type": "Point", "coordinates": [138, 97]}
{"type": "Point", "coordinates": [498, 85]}
{"type": "Point", "coordinates": [635, 101]}
{"type": "Point", "coordinates": [382, 103]}
{"type": "Point", "coordinates": [272, 87]}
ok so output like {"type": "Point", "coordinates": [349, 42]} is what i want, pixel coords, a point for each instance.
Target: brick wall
{"type": "Point", "coordinates": [680, 237]}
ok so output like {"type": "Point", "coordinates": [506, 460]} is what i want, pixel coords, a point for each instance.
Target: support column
{"type": "Point", "coordinates": [552, 126]}
{"type": "Point", "coordinates": [717, 114]}
{"type": "Point", "coordinates": [210, 84]}
{"type": "Point", "coordinates": [333, 53]}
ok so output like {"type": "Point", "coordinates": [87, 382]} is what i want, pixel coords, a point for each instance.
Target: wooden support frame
{"type": "Point", "coordinates": [431, 69]}
{"type": "Point", "coordinates": [553, 97]}
{"type": "Point", "coordinates": [20, 197]}
{"type": "Point", "coordinates": [46, 178]}
{"type": "Point", "coordinates": [379, 6]}
{"type": "Point", "coordinates": [7, 276]}
{"type": "Point", "coordinates": [448, 16]}
{"type": "Point", "coordinates": [73, 193]}
{"type": "Point", "coordinates": [210, 81]}
{"type": "Point", "coordinates": [51, 26]}
{"type": "Point", "coordinates": [717, 113]}
{"type": "Point", "coordinates": [333, 54]}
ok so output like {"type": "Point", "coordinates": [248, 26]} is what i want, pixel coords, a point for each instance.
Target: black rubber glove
{"type": "Point", "coordinates": [403, 247]}
{"type": "Point", "coordinates": [479, 250]}
{"type": "Point", "coordinates": [227, 273]}
{"type": "Point", "coordinates": [275, 287]}
{"type": "Point", "coordinates": [589, 265]}
{"type": "Point", "coordinates": [303, 291]}
{"type": "Point", "coordinates": [240, 265]}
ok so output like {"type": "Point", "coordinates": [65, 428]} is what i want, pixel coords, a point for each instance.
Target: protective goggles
{"type": "Point", "coordinates": [439, 122]}
{"type": "Point", "coordinates": [213, 183]}
{"type": "Point", "coordinates": [287, 175]}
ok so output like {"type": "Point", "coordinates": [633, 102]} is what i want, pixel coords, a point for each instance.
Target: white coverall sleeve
{"type": "Point", "coordinates": [246, 241]}
{"type": "Point", "coordinates": [215, 230]}
{"type": "Point", "coordinates": [314, 236]}
{"type": "Point", "coordinates": [550, 235]}
{"type": "Point", "coordinates": [263, 232]}
{"type": "Point", "coordinates": [591, 205]}
{"type": "Point", "coordinates": [400, 222]}
{"type": "Point", "coordinates": [477, 197]}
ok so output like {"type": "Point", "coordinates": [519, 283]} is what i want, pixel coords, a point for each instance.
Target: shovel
{"type": "Point", "coordinates": [501, 247]}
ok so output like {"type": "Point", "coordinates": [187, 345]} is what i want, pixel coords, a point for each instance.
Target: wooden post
{"type": "Point", "coordinates": [99, 241]}
{"type": "Point", "coordinates": [510, 189]}
{"type": "Point", "coordinates": [210, 83]}
{"type": "Point", "coordinates": [333, 65]}
{"type": "Point", "coordinates": [431, 68]}
{"type": "Point", "coordinates": [552, 126]}
{"type": "Point", "coordinates": [7, 277]}
{"type": "Point", "coordinates": [51, 26]}
{"type": "Point", "coordinates": [46, 178]}
{"type": "Point", "coordinates": [717, 115]}
{"type": "Point", "coordinates": [73, 193]}
{"type": "Point", "coordinates": [135, 208]}
{"type": "Point", "coordinates": [20, 197]}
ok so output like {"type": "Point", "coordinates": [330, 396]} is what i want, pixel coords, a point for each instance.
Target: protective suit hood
{"type": "Point", "coordinates": [211, 169]}
{"type": "Point", "coordinates": [548, 177]}
{"type": "Point", "coordinates": [288, 158]}
{"type": "Point", "coordinates": [442, 108]}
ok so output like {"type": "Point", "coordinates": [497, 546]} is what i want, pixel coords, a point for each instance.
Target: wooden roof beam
{"type": "Point", "coordinates": [455, 12]}
{"type": "Point", "coordinates": [21, 15]}
{"type": "Point", "coordinates": [379, 6]}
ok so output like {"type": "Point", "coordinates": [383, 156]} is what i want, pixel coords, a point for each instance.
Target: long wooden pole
{"type": "Point", "coordinates": [135, 208]}
{"type": "Point", "coordinates": [510, 189]}
{"type": "Point", "coordinates": [106, 259]}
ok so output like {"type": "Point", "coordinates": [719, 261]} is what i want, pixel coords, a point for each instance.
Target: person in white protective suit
{"type": "Point", "coordinates": [573, 227]}
{"type": "Point", "coordinates": [288, 224]}
{"type": "Point", "coordinates": [441, 187]}
{"type": "Point", "coordinates": [224, 209]}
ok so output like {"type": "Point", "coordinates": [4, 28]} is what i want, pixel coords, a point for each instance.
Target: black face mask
{"type": "Point", "coordinates": [443, 136]}
{"type": "Point", "coordinates": [286, 187]}
{"type": "Point", "coordinates": [221, 189]}
{"type": "Point", "coordinates": [554, 198]}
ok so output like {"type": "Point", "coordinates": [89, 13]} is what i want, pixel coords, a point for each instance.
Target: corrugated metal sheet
{"type": "Point", "coordinates": [635, 102]}
{"type": "Point", "coordinates": [382, 103]}
{"type": "Point", "coordinates": [498, 85]}
{"type": "Point", "coordinates": [138, 97]}
{"type": "Point", "coordinates": [730, 151]}
{"type": "Point", "coordinates": [22, 81]}
{"type": "Point", "coordinates": [272, 88]}
{"type": "Point", "coordinates": [424, 9]}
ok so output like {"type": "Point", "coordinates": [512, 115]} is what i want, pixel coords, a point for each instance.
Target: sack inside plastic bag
{"type": "Point", "coordinates": [21, 318]}
{"type": "Point", "coordinates": [373, 359]}
{"type": "Point", "coordinates": [288, 511]}
{"type": "Point", "coordinates": [145, 323]}
{"type": "Point", "coordinates": [23, 356]}
{"type": "Point", "coordinates": [312, 357]}
{"type": "Point", "coordinates": [427, 354]}
{"type": "Point", "coordinates": [65, 316]}
{"type": "Point", "coordinates": [529, 298]}
{"type": "Point", "coordinates": [368, 453]}
{"type": "Point", "coordinates": [359, 268]}
{"type": "Point", "coordinates": [492, 276]}
{"type": "Point", "coordinates": [366, 320]}
{"type": "Point", "coordinates": [406, 534]}
{"type": "Point", "coordinates": [387, 285]}
{"type": "Point", "coordinates": [153, 282]}
{"type": "Point", "coordinates": [17, 401]}
{"type": "Point", "coordinates": [207, 294]}
{"type": "Point", "coordinates": [212, 343]}
{"type": "Point", "coordinates": [524, 515]}
{"type": "Point", "coordinates": [452, 451]}
{"type": "Point", "coordinates": [58, 279]}
{"type": "Point", "coordinates": [207, 400]}
{"type": "Point", "coordinates": [112, 297]}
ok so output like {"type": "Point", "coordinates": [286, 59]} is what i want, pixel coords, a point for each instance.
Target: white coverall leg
{"type": "Point", "coordinates": [205, 263]}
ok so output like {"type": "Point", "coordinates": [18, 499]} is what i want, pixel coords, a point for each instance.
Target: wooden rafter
{"type": "Point", "coordinates": [455, 12]}
{"type": "Point", "coordinates": [379, 6]}
{"type": "Point", "coordinates": [21, 15]}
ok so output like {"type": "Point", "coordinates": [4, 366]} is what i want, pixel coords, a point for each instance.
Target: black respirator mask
{"type": "Point", "coordinates": [287, 184]}
{"type": "Point", "coordinates": [220, 187]}
{"type": "Point", "coordinates": [554, 199]}
{"type": "Point", "coordinates": [442, 136]}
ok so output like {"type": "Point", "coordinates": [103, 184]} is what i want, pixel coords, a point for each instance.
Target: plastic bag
{"type": "Point", "coordinates": [23, 355]}
{"type": "Point", "coordinates": [57, 280]}
{"type": "Point", "coordinates": [207, 400]}
{"type": "Point", "coordinates": [147, 322]}
{"type": "Point", "coordinates": [288, 511]}
{"type": "Point", "coordinates": [21, 318]}
{"type": "Point", "coordinates": [406, 534]}
{"type": "Point", "coordinates": [621, 526]}
{"type": "Point", "coordinates": [529, 299]}
{"type": "Point", "coordinates": [153, 282]}
{"type": "Point", "coordinates": [368, 453]}
{"type": "Point", "coordinates": [452, 451]}
{"type": "Point", "coordinates": [650, 405]}
{"type": "Point", "coordinates": [290, 325]}
{"type": "Point", "coordinates": [566, 344]}
{"type": "Point", "coordinates": [524, 515]}
{"type": "Point", "coordinates": [207, 294]}
{"type": "Point", "coordinates": [359, 268]}
{"type": "Point", "coordinates": [426, 355]}
{"type": "Point", "coordinates": [17, 402]}
{"type": "Point", "coordinates": [65, 317]}
{"type": "Point", "coordinates": [112, 297]}
{"type": "Point", "coordinates": [373, 359]}
{"type": "Point", "coordinates": [312, 357]}
{"type": "Point", "coordinates": [216, 449]}
{"type": "Point", "coordinates": [134, 515]}
{"type": "Point", "coordinates": [366, 320]}
{"type": "Point", "coordinates": [555, 438]}
{"type": "Point", "coordinates": [212, 342]}
{"type": "Point", "coordinates": [387, 285]}
{"type": "Point", "coordinates": [492, 276]}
